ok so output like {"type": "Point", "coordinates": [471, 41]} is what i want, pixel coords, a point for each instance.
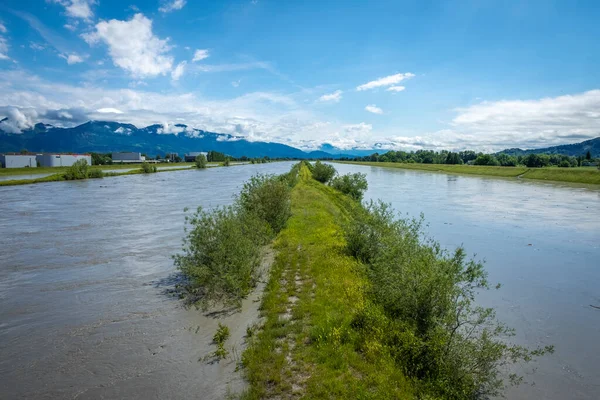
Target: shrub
{"type": "Point", "coordinates": [323, 172]}
{"type": "Point", "coordinates": [222, 253]}
{"type": "Point", "coordinates": [96, 173]}
{"type": "Point", "coordinates": [201, 161]}
{"type": "Point", "coordinates": [148, 168]}
{"type": "Point", "coordinates": [219, 338]}
{"type": "Point", "coordinates": [79, 170]}
{"type": "Point", "coordinates": [267, 197]}
{"type": "Point", "coordinates": [226, 163]}
{"type": "Point", "coordinates": [354, 185]}
{"type": "Point", "coordinates": [435, 332]}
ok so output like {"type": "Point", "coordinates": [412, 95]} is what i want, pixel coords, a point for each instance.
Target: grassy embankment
{"type": "Point", "coordinates": [58, 172]}
{"type": "Point", "coordinates": [586, 175]}
{"type": "Point", "coordinates": [314, 292]}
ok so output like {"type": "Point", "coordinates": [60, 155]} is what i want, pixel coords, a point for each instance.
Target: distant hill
{"type": "Point", "coordinates": [106, 136]}
{"type": "Point", "coordinates": [576, 149]}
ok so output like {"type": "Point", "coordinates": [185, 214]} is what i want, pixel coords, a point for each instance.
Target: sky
{"type": "Point", "coordinates": [403, 75]}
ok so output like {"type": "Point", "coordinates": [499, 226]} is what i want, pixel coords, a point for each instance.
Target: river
{"type": "Point", "coordinates": [541, 241]}
{"type": "Point", "coordinates": [84, 267]}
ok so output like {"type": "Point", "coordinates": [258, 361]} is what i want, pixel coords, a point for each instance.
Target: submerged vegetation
{"type": "Point", "coordinates": [223, 247]}
{"type": "Point", "coordinates": [360, 304]}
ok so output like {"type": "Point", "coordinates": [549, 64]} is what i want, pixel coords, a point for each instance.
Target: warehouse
{"type": "Point", "coordinates": [191, 157]}
{"type": "Point", "coordinates": [62, 160]}
{"type": "Point", "coordinates": [124, 157]}
{"type": "Point", "coordinates": [18, 160]}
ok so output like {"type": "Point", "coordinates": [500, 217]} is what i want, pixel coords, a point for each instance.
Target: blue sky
{"type": "Point", "coordinates": [387, 74]}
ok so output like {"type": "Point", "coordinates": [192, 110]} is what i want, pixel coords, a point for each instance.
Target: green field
{"type": "Point", "coordinates": [56, 170]}
{"type": "Point", "coordinates": [587, 175]}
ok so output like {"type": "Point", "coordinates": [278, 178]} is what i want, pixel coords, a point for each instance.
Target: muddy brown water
{"type": "Point", "coordinates": [84, 267]}
{"type": "Point", "coordinates": [84, 271]}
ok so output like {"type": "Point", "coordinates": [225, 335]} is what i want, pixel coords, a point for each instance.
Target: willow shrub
{"type": "Point", "coordinates": [433, 328]}
{"type": "Point", "coordinates": [323, 172]}
{"type": "Point", "coordinates": [79, 170]}
{"type": "Point", "coordinates": [354, 185]}
{"type": "Point", "coordinates": [222, 249]}
{"type": "Point", "coordinates": [148, 168]}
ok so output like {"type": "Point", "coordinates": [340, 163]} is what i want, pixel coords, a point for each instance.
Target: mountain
{"type": "Point", "coordinates": [576, 149]}
{"type": "Point", "coordinates": [106, 136]}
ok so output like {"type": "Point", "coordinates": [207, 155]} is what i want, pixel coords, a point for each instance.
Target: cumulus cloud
{"type": "Point", "coordinates": [172, 6]}
{"type": "Point", "coordinates": [72, 58]}
{"type": "Point", "coordinates": [385, 81]}
{"type": "Point", "coordinates": [372, 108]}
{"type": "Point", "coordinates": [15, 120]}
{"type": "Point", "coordinates": [200, 55]}
{"type": "Point", "coordinates": [133, 46]}
{"type": "Point", "coordinates": [395, 89]}
{"type": "Point", "coordinates": [334, 97]}
{"type": "Point", "coordinates": [77, 8]}
{"type": "Point", "coordinates": [3, 28]}
{"type": "Point", "coordinates": [178, 71]}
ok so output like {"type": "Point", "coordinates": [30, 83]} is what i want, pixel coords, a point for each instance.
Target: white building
{"type": "Point", "coordinates": [18, 160]}
{"type": "Point", "coordinates": [127, 158]}
{"type": "Point", "coordinates": [62, 160]}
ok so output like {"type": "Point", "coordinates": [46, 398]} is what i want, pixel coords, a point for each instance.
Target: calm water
{"type": "Point", "coordinates": [83, 268]}
{"type": "Point", "coordinates": [541, 241]}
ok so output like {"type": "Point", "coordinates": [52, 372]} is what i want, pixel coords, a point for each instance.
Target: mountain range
{"type": "Point", "coordinates": [107, 136]}
{"type": "Point", "coordinates": [576, 149]}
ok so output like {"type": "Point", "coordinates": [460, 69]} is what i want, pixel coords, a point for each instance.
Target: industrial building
{"type": "Point", "coordinates": [125, 158]}
{"type": "Point", "coordinates": [61, 160]}
{"type": "Point", "coordinates": [18, 160]}
{"type": "Point", "coordinates": [191, 157]}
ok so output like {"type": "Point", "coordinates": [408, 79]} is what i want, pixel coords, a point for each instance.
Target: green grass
{"type": "Point", "coordinates": [314, 292]}
{"type": "Point", "coordinates": [45, 170]}
{"type": "Point", "coordinates": [589, 175]}
{"type": "Point", "coordinates": [586, 175]}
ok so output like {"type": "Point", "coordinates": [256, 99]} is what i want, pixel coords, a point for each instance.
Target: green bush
{"type": "Point", "coordinates": [96, 173]}
{"type": "Point", "coordinates": [486, 159]}
{"type": "Point", "coordinates": [222, 253]}
{"type": "Point", "coordinates": [79, 170]}
{"type": "Point", "coordinates": [434, 330]}
{"type": "Point", "coordinates": [222, 249]}
{"type": "Point", "coordinates": [323, 172]}
{"type": "Point", "coordinates": [267, 197]}
{"type": "Point", "coordinates": [354, 185]}
{"type": "Point", "coordinates": [226, 163]}
{"type": "Point", "coordinates": [148, 168]}
{"type": "Point", "coordinates": [201, 161]}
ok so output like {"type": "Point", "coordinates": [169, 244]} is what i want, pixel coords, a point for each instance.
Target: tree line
{"type": "Point", "coordinates": [474, 158]}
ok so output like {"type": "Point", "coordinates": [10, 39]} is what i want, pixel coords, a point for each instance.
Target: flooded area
{"type": "Point", "coordinates": [4, 177]}
{"type": "Point", "coordinates": [540, 240]}
{"type": "Point", "coordinates": [84, 267]}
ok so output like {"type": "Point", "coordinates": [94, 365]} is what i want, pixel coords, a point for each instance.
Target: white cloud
{"type": "Point", "coordinates": [77, 8]}
{"type": "Point", "coordinates": [395, 89]}
{"type": "Point", "coordinates": [72, 27]}
{"type": "Point", "coordinates": [385, 81]}
{"type": "Point", "coordinates": [172, 6]}
{"type": "Point", "coordinates": [333, 97]}
{"type": "Point", "coordinates": [372, 108]}
{"type": "Point", "coordinates": [36, 46]}
{"type": "Point", "coordinates": [178, 71]}
{"type": "Point", "coordinates": [200, 55]}
{"type": "Point", "coordinates": [3, 28]}
{"type": "Point", "coordinates": [109, 110]}
{"type": "Point", "coordinates": [3, 49]}
{"type": "Point", "coordinates": [236, 83]}
{"type": "Point", "coordinates": [17, 119]}
{"type": "Point", "coordinates": [133, 46]}
{"type": "Point", "coordinates": [72, 58]}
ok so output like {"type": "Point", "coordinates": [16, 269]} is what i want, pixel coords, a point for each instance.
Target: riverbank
{"type": "Point", "coordinates": [58, 172]}
{"type": "Point", "coordinates": [585, 175]}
